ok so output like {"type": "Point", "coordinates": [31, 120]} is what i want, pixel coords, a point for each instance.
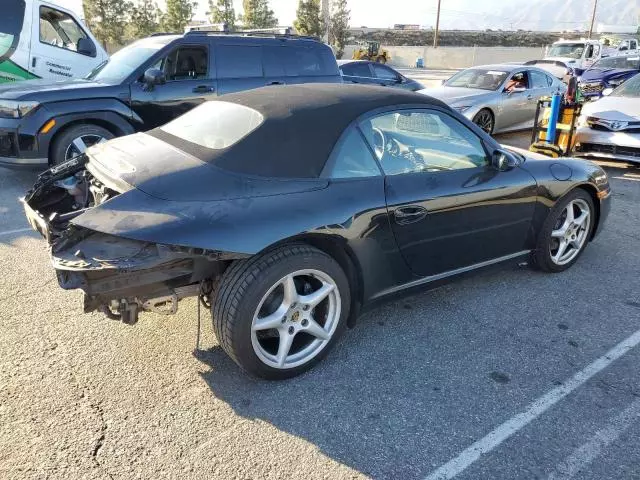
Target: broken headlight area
{"type": "Point", "coordinates": [119, 276]}
{"type": "Point", "coordinates": [59, 195]}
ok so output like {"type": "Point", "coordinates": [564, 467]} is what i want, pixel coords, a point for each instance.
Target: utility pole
{"type": "Point", "coordinates": [593, 17]}
{"type": "Point", "coordinates": [435, 34]}
{"type": "Point", "coordinates": [326, 19]}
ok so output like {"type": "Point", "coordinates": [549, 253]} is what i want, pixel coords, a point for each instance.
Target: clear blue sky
{"type": "Point", "coordinates": [375, 13]}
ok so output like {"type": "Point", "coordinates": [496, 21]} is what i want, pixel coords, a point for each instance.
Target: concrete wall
{"type": "Point", "coordinates": [456, 57]}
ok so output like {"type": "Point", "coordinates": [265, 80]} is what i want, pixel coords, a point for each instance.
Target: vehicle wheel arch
{"type": "Point", "coordinates": [118, 129]}
{"type": "Point", "coordinates": [593, 193]}
{"type": "Point", "coordinates": [345, 257]}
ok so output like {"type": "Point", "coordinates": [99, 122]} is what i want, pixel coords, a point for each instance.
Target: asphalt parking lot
{"type": "Point", "coordinates": [511, 374]}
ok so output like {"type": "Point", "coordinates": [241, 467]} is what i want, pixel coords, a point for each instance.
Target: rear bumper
{"type": "Point", "coordinates": [591, 143]}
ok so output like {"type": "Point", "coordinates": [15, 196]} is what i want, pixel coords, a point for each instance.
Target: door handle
{"type": "Point", "coordinates": [33, 62]}
{"type": "Point", "coordinates": [409, 214]}
{"type": "Point", "coordinates": [203, 89]}
{"type": "Point", "coordinates": [275, 83]}
{"type": "Point", "coordinates": [529, 97]}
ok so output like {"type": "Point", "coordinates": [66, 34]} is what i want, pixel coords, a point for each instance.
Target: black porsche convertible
{"type": "Point", "coordinates": [291, 210]}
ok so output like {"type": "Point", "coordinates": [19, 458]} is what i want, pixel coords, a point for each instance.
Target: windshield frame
{"type": "Point", "coordinates": [170, 42]}
{"type": "Point", "coordinates": [568, 44]}
{"type": "Point", "coordinates": [508, 75]}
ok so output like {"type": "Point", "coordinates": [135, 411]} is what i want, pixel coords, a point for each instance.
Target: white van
{"type": "Point", "coordinates": [39, 39]}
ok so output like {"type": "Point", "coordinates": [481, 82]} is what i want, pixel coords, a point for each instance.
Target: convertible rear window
{"type": "Point", "coordinates": [215, 125]}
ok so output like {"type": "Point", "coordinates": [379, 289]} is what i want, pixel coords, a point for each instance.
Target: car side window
{"type": "Point", "coordinates": [538, 80]}
{"type": "Point", "coordinates": [59, 29]}
{"type": "Point", "coordinates": [271, 61]}
{"type": "Point", "coordinates": [410, 141]}
{"type": "Point", "coordinates": [352, 158]}
{"type": "Point", "coordinates": [634, 45]}
{"type": "Point", "coordinates": [517, 80]}
{"type": "Point", "coordinates": [305, 62]}
{"type": "Point", "coordinates": [239, 61]}
{"type": "Point", "coordinates": [384, 73]}
{"type": "Point", "coordinates": [549, 80]}
{"type": "Point", "coordinates": [189, 62]}
{"type": "Point", "coordinates": [357, 69]}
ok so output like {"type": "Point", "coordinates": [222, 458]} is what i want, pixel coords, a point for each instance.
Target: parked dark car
{"type": "Point", "coordinates": [373, 73]}
{"type": "Point", "coordinates": [608, 72]}
{"type": "Point", "coordinates": [146, 85]}
{"type": "Point", "coordinates": [292, 210]}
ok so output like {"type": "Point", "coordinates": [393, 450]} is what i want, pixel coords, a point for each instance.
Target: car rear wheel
{"type": "Point", "coordinates": [75, 141]}
{"type": "Point", "coordinates": [484, 119]}
{"type": "Point", "coordinates": [278, 314]}
{"type": "Point", "coordinates": [565, 233]}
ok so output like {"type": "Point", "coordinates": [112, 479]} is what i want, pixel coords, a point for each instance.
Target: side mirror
{"type": "Point", "coordinates": [86, 47]}
{"type": "Point", "coordinates": [607, 91]}
{"type": "Point", "coordinates": [154, 76]}
{"type": "Point", "coordinates": [503, 160]}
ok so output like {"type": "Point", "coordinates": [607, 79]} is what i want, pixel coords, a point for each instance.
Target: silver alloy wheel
{"type": "Point", "coordinates": [484, 120]}
{"type": "Point", "coordinates": [290, 328]}
{"type": "Point", "coordinates": [570, 232]}
{"type": "Point", "coordinates": [80, 144]}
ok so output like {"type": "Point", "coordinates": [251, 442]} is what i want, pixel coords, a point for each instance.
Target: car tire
{"type": "Point", "coordinates": [85, 135]}
{"type": "Point", "coordinates": [485, 120]}
{"type": "Point", "coordinates": [559, 228]}
{"type": "Point", "coordinates": [273, 334]}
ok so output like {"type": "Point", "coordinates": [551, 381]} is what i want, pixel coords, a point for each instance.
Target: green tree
{"type": "Point", "coordinates": [222, 12]}
{"type": "Point", "coordinates": [106, 19]}
{"type": "Point", "coordinates": [178, 15]}
{"type": "Point", "coordinates": [308, 21]}
{"type": "Point", "coordinates": [339, 26]}
{"type": "Point", "coordinates": [145, 19]}
{"type": "Point", "coordinates": [257, 14]}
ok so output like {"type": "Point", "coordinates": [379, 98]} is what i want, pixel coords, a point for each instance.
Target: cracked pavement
{"type": "Point", "coordinates": [416, 382]}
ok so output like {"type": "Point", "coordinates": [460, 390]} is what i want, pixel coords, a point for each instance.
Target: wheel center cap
{"type": "Point", "coordinates": [295, 317]}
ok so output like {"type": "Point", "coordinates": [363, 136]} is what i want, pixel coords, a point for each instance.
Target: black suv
{"type": "Point", "coordinates": [145, 85]}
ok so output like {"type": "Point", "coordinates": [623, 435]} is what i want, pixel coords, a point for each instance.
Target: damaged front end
{"type": "Point", "coordinates": [119, 276]}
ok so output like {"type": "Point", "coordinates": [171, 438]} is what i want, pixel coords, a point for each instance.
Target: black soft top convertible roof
{"type": "Point", "coordinates": [302, 123]}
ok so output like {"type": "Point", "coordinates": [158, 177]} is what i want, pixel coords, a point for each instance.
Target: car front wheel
{"type": "Point", "coordinates": [565, 232]}
{"type": "Point", "coordinates": [484, 119]}
{"type": "Point", "coordinates": [75, 141]}
{"type": "Point", "coordinates": [278, 314]}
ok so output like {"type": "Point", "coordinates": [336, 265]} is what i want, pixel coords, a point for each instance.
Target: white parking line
{"type": "Point", "coordinates": [19, 230]}
{"type": "Point", "coordinates": [533, 411]}
{"type": "Point", "coordinates": [591, 450]}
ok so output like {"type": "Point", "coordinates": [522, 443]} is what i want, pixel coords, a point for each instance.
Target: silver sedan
{"type": "Point", "coordinates": [498, 98]}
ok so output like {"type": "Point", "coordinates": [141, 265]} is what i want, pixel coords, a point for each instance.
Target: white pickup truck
{"type": "Point", "coordinates": [39, 39]}
{"type": "Point", "coordinates": [582, 54]}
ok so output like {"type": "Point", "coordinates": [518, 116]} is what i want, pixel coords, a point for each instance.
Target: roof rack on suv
{"type": "Point", "coordinates": [251, 33]}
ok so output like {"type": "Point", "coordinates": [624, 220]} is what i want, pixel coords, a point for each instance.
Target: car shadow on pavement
{"type": "Point", "coordinates": [392, 400]}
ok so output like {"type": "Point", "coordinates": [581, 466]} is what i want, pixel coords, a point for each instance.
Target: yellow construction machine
{"type": "Point", "coordinates": [371, 51]}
